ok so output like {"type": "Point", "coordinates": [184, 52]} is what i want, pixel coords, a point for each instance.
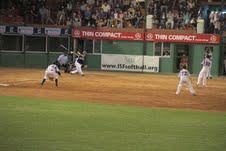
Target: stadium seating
{"type": "Point", "coordinates": [166, 14]}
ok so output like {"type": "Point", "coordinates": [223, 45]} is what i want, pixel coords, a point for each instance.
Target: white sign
{"type": "Point", "coordinates": [129, 63]}
{"type": "Point", "coordinates": [53, 31]}
{"type": "Point", "coordinates": [25, 30]}
{"type": "Point", "coordinates": [2, 29]}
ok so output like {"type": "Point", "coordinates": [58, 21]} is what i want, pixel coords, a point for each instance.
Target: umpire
{"type": "Point", "coordinates": [63, 62]}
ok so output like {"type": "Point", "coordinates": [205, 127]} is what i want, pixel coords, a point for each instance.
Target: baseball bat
{"type": "Point", "coordinates": [65, 48]}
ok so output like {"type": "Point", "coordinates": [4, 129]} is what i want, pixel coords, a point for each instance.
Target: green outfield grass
{"type": "Point", "coordinates": [48, 125]}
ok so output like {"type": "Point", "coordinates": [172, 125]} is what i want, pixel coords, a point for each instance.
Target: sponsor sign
{"type": "Point", "coordinates": [146, 36]}
{"type": "Point", "coordinates": [185, 38]}
{"type": "Point", "coordinates": [2, 29]}
{"type": "Point", "coordinates": [65, 32]}
{"type": "Point", "coordinates": [134, 63]}
{"type": "Point", "coordinates": [11, 29]}
{"type": "Point", "coordinates": [39, 31]}
{"type": "Point", "coordinates": [53, 31]}
{"type": "Point", "coordinates": [112, 35]}
{"type": "Point", "coordinates": [25, 30]}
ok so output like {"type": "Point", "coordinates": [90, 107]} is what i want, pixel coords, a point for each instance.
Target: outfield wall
{"type": "Point", "coordinates": [166, 64]}
{"type": "Point", "coordinates": [36, 47]}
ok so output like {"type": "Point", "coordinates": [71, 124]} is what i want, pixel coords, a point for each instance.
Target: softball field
{"type": "Point", "coordinates": [134, 89]}
{"type": "Point", "coordinates": [109, 111]}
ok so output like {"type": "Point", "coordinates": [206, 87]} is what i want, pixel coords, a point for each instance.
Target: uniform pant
{"type": "Point", "coordinates": [203, 76]}
{"type": "Point", "coordinates": [209, 72]}
{"type": "Point", "coordinates": [185, 82]}
{"type": "Point", "coordinates": [78, 68]}
{"type": "Point", "coordinates": [50, 74]}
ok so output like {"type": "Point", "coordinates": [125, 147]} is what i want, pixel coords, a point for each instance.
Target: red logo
{"type": "Point", "coordinates": [213, 38]}
{"type": "Point", "coordinates": [76, 33]}
{"type": "Point", "coordinates": [138, 36]}
{"type": "Point", "coordinates": [149, 36]}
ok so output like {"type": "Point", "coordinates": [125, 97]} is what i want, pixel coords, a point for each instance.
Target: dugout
{"type": "Point", "coordinates": [167, 45]}
{"type": "Point", "coordinates": [32, 46]}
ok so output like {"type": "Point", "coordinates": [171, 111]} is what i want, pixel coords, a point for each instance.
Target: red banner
{"type": "Point", "coordinates": [148, 36]}
{"type": "Point", "coordinates": [185, 38]}
{"type": "Point", "coordinates": [103, 34]}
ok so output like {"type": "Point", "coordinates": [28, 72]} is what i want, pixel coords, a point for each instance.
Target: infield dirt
{"type": "Point", "coordinates": [134, 89]}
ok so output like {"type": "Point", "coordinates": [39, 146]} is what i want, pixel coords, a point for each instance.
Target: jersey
{"type": "Point", "coordinates": [206, 63]}
{"type": "Point", "coordinates": [80, 60]}
{"type": "Point", "coordinates": [184, 75]}
{"type": "Point", "coordinates": [52, 68]}
{"type": "Point", "coordinates": [185, 80]}
{"type": "Point", "coordinates": [51, 72]}
{"type": "Point", "coordinates": [62, 59]}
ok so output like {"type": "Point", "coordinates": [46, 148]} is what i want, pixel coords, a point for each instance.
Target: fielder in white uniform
{"type": "Point", "coordinates": [52, 73]}
{"type": "Point", "coordinates": [184, 76]}
{"type": "Point", "coordinates": [79, 62]}
{"type": "Point", "coordinates": [206, 63]}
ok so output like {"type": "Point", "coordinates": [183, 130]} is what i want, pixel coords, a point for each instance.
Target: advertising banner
{"type": "Point", "coordinates": [146, 36]}
{"type": "Point", "coordinates": [39, 31]}
{"type": "Point", "coordinates": [2, 29]}
{"type": "Point", "coordinates": [11, 29]}
{"type": "Point", "coordinates": [184, 38]}
{"type": "Point", "coordinates": [65, 32]}
{"type": "Point", "coordinates": [25, 30]}
{"type": "Point", "coordinates": [134, 63]}
{"type": "Point", "coordinates": [111, 35]}
{"type": "Point", "coordinates": [53, 31]}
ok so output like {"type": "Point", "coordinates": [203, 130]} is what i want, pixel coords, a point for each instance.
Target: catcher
{"type": "Point", "coordinates": [63, 61]}
{"type": "Point", "coordinates": [52, 73]}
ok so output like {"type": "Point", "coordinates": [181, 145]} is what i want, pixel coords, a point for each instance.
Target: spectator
{"type": "Point", "coordinates": [43, 14]}
{"type": "Point", "coordinates": [180, 14]}
{"type": "Point", "coordinates": [33, 15]}
{"type": "Point", "coordinates": [183, 61]}
{"type": "Point", "coordinates": [216, 22]}
{"type": "Point", "coordinates": [76, 20]}
{"type": "Point", "coordinates": [170, 20]}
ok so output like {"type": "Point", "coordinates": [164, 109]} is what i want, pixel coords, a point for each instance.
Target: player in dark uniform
{"type": "Point", "coordinates": [79, 63]}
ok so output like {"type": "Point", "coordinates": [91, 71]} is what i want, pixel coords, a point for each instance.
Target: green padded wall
{"type": "Point", "coordinates": [167, 64]}
{"type": "Point", "coordinates": [53, 57]}
{"type": "Point", "coordinates": [37, 60]}
{"type": "Point", "coordinates": [122, 47]}
{"type": "Point", "coordinates": [12, 59]}
{"type": "Point", "coordinates": [150, 47]}
{"type": "Point", "coordinates": [93, 61]}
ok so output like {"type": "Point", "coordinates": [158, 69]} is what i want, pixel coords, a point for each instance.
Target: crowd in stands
{"type": "Point", "coordinates": [166, 14]}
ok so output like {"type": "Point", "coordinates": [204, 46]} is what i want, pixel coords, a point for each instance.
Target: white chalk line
{"type": "Point", "coordinates": [4, 84]}
{"type": "Point", "coordinates": [15, 83]}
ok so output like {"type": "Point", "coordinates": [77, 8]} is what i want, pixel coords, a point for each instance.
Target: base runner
{"type": "Point", "coordinates": [184, 76]}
